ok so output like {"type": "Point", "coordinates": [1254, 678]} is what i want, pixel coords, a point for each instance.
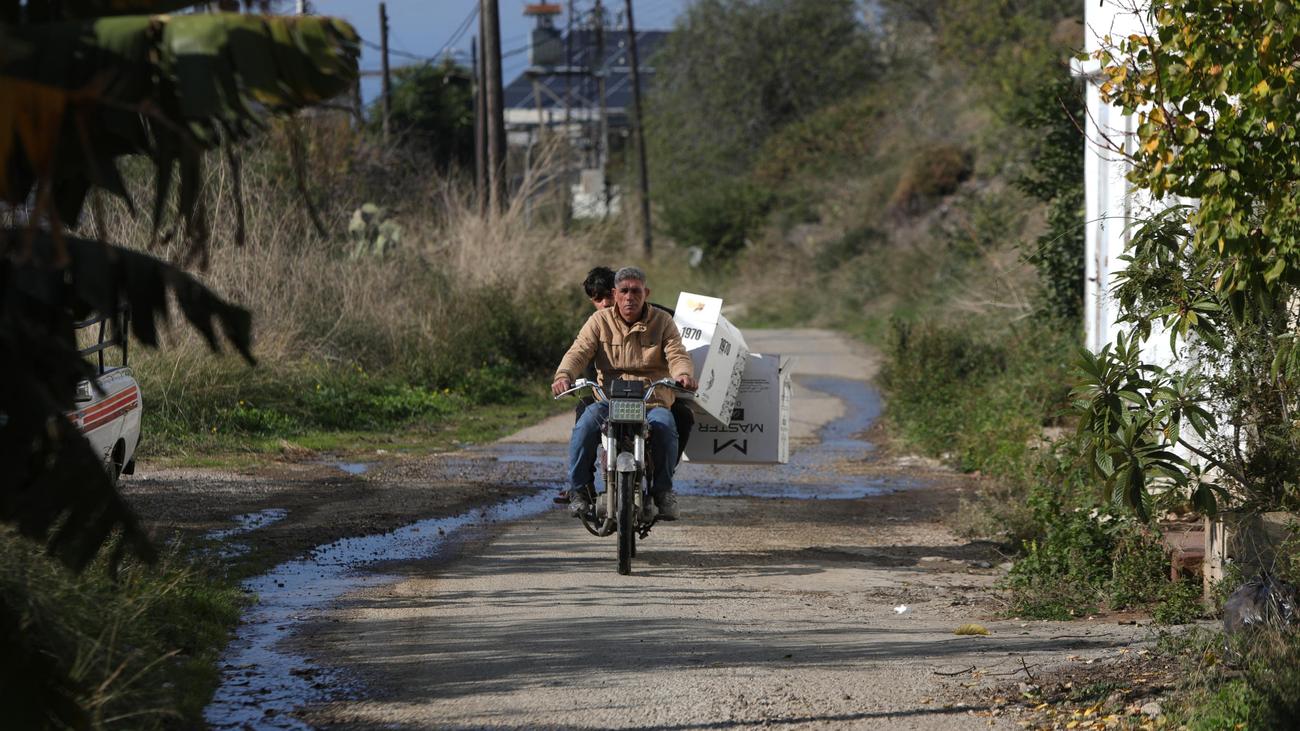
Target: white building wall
{"type": "Point", "coordinates": [1112, 204]}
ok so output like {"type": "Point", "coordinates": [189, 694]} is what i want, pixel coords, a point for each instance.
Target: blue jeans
{"type": "Point", "coordinates": [586, 440]}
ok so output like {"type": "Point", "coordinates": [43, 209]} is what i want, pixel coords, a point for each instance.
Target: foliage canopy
{"type": "Point", "coordinates": [1214, 88]}
{"type": "Point", "coordinates": [432, 107]}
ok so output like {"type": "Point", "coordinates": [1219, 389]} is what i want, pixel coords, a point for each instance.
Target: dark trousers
{"type": "Point", "coordinates": [683, 417]}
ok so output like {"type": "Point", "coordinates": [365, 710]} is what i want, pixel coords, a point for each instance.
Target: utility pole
{"type": "Point", "coordinates": [566, 174]}
{"type": "Point", "coordinates": [639, 129]}
{"type": "Point", "coordinates": [496, 127]}
{"type": "Point", "coordinates": [568, 69]}
{"type": "Point", "coordinates": [302, 7]}
{"type": "Point", "coordinates": [388, 81]}
{"type": "Point", "coordinates": [480, 153]}
{"type": "Point", "coordinates": [602, 144]}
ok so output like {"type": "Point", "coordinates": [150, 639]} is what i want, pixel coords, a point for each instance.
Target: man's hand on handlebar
{"type": "Point", "coordinates": [687, 382]}
{"type": "Point", "coordinates": [560, 385]}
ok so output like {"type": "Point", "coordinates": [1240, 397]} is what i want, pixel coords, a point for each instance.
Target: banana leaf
{"type": "Point", "coordinates": [169, 87]}
{"type": "Point", "coordinates": [44, 11]}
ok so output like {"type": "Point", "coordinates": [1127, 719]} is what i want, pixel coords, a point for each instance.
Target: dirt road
{"type": "Point", "coordinates": [820, 594]}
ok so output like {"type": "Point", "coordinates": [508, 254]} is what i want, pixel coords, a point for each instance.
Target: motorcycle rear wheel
{"type": "Point", "coordinates": [626, 521]}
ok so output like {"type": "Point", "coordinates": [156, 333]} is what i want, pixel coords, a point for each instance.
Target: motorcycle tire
{"type": "Point", "coordinates": [626, 522]}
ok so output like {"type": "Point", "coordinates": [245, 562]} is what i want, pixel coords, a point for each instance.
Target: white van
{"type": "Point", "coordinates": [109, 415]}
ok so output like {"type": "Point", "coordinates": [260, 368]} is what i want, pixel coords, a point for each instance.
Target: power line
{"type": "Point", "coordinates": [461, 30]}
{"type": "Point", "coordinates": [455, 53]}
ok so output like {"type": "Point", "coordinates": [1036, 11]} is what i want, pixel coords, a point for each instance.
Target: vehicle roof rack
{"type": "Point", "coordinates": [103, 341]}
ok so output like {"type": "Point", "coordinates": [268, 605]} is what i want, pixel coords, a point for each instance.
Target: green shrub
{"type": "Point", "coordinates": [952, 390]}
{"type": "Point", "coordinates": [719, 218]}
{"type": "Point", "coordinates": [933, 172]}
{"type": "Point", "coordinates": [1062, 575]}
{"type": "Point", "coordinates": [1084, 556]}
{"type": "Point", "coordinates": [246, 419]}
{"type": "Point", "coordinates": [363, 403]}
{"type": "Point", "coordinates": [848, 246]}
{"type": "Point", "coordinates": [1232, 705]}
{"type": "Point", "coordinates": [830, 139]}
{"type": "Point", "coordinates": [1139, 565]}
{"type": "Point", "coordinates": [1250, 680]}
{"type": "Point", "coordinates": [1179, 602]}
{"type": "Point", "coordinates": [498, 384]}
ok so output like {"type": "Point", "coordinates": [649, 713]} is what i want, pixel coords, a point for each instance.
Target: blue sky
{"type": "Point", "coordinates": [429, 27]}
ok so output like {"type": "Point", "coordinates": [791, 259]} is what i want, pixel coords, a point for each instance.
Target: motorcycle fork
{"type": "Point", "coordinates": [638, 452]}
{"type": "Point", "coordinates": [612, 442]}
{"type": "Point", "coordinates": [611, 473]}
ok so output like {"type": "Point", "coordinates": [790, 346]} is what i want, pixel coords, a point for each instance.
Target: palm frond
{"type": "Point", "coordinates": [57, 490]}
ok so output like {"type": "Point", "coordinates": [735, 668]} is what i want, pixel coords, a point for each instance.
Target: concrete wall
{"type": "Point", "coordinates": [1112, 204]}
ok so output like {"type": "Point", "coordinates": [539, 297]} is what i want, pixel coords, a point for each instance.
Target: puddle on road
{"type": "Point", "coordinates": [352, 468]}
{"type": "Point", "coordinates": [558, 459]}
{"type": "Point", "coordinates": [246, 523]}
{"type": "Point", "coordinates": [262, 684]}
{"type": "Point", "coordinates": [810, 474]}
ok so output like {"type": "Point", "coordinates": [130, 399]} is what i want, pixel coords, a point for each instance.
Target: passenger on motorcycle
{"type": "Point", "coordinates": [632, 341]}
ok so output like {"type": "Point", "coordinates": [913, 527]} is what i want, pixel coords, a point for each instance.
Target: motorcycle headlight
{"type": "Point", "coordinates": [627, 410]}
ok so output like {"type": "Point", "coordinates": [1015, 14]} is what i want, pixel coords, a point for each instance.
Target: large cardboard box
{"type": "Point", "coordinates": [717, 349]}
{"type": "Point", "coordinates": [758, 431]}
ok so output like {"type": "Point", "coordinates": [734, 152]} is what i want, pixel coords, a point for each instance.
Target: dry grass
{"type": "Point", "coordinates": [311, 300]}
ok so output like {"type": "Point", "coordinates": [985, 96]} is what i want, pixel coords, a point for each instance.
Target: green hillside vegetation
{"type": "Point", "coordinates": [925, 192]}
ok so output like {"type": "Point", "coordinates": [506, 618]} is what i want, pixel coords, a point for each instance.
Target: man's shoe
{"type": "Point", "coordinates": [667, 504]}
{"type": "Point", "coordinates": [580, 500]}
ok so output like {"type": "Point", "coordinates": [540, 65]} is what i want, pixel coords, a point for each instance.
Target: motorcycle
{"type": "Point", "coordinates": [625, 506]}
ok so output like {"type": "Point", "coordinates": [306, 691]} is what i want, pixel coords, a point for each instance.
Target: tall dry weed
{"type": "Point", "coordinates": [310, 299]}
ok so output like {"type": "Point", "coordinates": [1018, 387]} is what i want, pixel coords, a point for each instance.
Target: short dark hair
{"type": "Point", "coordinates": [599, 282]}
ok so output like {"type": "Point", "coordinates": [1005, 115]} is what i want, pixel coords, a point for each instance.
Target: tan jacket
{"type": "Point", "coordinates": [647, 350]}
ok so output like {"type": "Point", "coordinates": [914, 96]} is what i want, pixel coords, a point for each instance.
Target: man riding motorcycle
{"type": "Point", "coordinates": [632, 341]}
{"type": "Point", "coordinates": [599, 287]}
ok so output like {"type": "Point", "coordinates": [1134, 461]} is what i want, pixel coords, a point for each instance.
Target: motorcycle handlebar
{"type": "Point", "coordinates": [582, 383]}
{"type": "Point", "coordinates": [664, 382]}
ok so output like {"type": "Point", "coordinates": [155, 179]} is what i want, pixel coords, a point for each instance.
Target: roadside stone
{"type": "Point", "coordinates": [1151, 710]}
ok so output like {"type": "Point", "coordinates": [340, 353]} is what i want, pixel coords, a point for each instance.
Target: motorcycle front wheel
{"type": "Point", "coordinates": [626, 521]}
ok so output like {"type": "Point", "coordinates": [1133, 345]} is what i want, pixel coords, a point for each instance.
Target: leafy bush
{"type": "Point", "coordinates": [848, 246]}
{"type": "Point", "coordinates": [1139, 565]}
{"type": "Point", "coordinates": [1249, 680]}
{"type": "Point", "coordinates": [432, 109]}
{"type": "Point", "coordinates": [1179, 603]}
{"type": "Point", "coordinates": [247, 419]}
{"type": "Point", "coordinates": [719, 218]}
{"type": "Point", "coordinates": [362, 403]}
{"type": "Point", "coordinates": [952, 390]}
{"type": "Point", "coordinates": [830, 139]}
{"type": "Point", "coordinates": [1054, 175]}
{"type": "Point", "coordinates": [1061, 576]}
{"type": "Point", "coordinates": [1087, 558]}
{"type": "Point", "coordinates": [933, 172]}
